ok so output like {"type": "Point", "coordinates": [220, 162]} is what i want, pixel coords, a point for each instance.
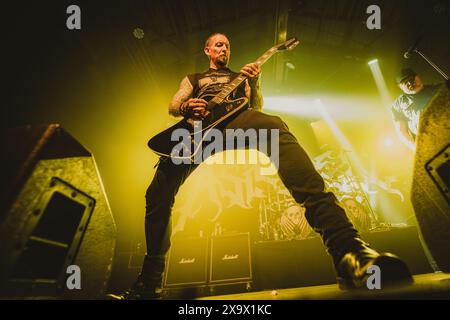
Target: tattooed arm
{"type": "Point", "coordinates": [183, 94]}
{"type": "Point", "coordinates": [253, 93]}
{"type": "Point", "coordinates": [253, 85]}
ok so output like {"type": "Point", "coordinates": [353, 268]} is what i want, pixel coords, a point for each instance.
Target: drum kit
{"type": "Point", "coordinates": [348, 187]}
{"type": "Point", "coordinates": [281, 218]}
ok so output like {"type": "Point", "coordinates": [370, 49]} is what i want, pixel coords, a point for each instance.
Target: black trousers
{"type": "Point", "coordinates": [295, 170]}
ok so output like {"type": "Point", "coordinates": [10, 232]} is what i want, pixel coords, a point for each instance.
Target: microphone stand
{"type": "Point", "coordinates": [420, 53]}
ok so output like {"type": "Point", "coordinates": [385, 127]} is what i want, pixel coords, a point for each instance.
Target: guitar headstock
{"type": "Point", "coordinates": [287, 45]}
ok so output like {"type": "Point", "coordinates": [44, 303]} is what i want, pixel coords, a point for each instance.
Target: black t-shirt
{"type": "Point", "coordinates": [211, 82]}
{"type": "Point", "coordinates": [407, 107]}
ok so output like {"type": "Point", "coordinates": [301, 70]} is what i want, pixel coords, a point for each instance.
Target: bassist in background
{"type": "Point", "coordinates": [407, 108]}
{"type": "Point", "coordinates": [350, 254]}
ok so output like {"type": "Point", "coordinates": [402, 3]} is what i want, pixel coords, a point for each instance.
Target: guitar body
{"type": "Point", "coordinates": [162, 143]}
{"type": "Point", "coordinates": [167, 144]}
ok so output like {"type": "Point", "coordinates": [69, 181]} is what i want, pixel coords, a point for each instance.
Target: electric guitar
{"type": "Point", "coordinates": [219, 109]}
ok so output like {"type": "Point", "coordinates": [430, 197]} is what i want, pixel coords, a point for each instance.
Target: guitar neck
{"type": "Point", "coordinates": [230, 87]}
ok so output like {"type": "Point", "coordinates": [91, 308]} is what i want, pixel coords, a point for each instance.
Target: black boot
{"type": "Point", "coordinates": [351, 256]}
{"type": "Point", "coordinates": [149, 282]}
{"type": "Point", "coordinates": [352, 267]}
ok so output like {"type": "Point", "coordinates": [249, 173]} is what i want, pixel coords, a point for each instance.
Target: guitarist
{"type": "Point", "coordinates": [350, 254]}
{"type": "Point", "coordinates": [217, 47]}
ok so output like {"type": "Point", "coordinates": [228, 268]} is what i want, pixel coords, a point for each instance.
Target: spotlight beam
{"type": "Point", "coordinates": [348, 149]}
{"type": "Point", "coordinates": [380, 83]}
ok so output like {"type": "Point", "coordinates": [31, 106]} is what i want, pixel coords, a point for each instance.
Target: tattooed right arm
{"type": "Point", "coordinates": [184, 93]}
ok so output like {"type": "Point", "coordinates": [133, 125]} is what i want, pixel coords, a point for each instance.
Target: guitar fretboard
{"type": "Point", "coordinates": [230, 87]}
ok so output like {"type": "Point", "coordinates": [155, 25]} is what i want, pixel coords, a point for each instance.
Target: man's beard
{"type": "Point", "coordinates": [222, 61]}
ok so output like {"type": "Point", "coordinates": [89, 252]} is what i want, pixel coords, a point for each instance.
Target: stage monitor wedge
{"type": "Point", "coordinates": [54, 214]}
{"type": "Point", "coordinates": [431, 180]}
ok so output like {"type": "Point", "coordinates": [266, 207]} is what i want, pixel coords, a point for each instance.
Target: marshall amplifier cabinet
{"type": "Point", "coordinates": [187, 262]}
{"type": "Point", "coordinates": [230, 259]}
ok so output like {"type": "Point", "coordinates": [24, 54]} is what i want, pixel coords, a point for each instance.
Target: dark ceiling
{"type": "Point", "coordinates": [42, 55]}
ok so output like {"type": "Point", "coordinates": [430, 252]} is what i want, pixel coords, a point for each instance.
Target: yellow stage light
{"type": "Point", "coordinates": [388, 142]}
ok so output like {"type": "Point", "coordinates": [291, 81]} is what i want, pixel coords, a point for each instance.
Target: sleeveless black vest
{"type": "Point", "coordinates": [212, 81]}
